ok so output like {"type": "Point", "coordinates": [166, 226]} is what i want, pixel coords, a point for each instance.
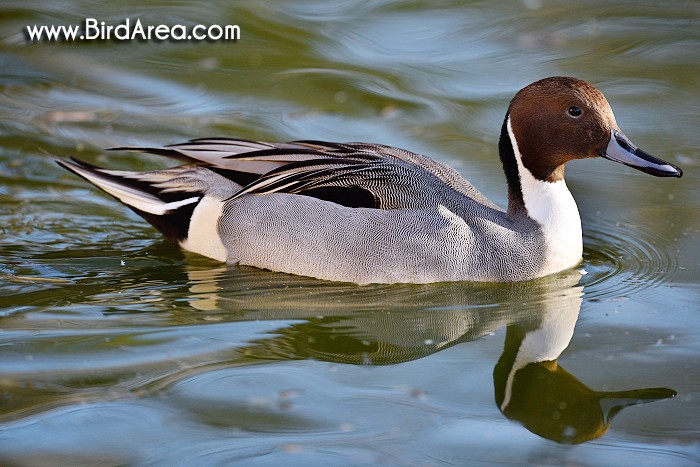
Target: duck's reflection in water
{"type": "Point", "coordinates": [386, 324]}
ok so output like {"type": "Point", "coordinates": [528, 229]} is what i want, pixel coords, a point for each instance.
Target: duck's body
{"type": "Point", "coordinates": [368, 213]}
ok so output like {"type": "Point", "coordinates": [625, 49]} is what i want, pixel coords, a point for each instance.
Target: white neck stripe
{"type": "Point", "coordinates": [551, 205]}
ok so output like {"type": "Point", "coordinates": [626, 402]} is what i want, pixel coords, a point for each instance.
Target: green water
{"type": "Point", "coordinates": [116, 348]}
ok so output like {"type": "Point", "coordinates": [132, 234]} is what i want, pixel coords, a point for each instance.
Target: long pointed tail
{"type": "Point", "coordinates": [146, 193]}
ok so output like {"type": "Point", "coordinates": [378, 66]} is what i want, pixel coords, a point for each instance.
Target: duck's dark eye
{"type": "Point", "coordinates": [574, 111]}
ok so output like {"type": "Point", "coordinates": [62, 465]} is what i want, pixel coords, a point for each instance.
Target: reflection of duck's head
{"type": "Point", "coordinates": [551, 402]}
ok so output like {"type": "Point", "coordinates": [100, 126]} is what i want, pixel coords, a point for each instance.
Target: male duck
{"type": "Point", "coordinates": [365, 213]}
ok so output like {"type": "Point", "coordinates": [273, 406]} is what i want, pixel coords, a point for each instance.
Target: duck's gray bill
{"type": "Point", "coordinates": [621, 149]}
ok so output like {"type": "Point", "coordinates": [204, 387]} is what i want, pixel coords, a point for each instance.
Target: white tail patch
{"type": "Point", "coordinates": [203, 235]}
{"type": "Point", "coordinates": [140, 200]}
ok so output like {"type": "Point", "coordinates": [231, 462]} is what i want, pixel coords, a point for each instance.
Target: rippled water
{"type": "Point", "coordinates": [116, 348]}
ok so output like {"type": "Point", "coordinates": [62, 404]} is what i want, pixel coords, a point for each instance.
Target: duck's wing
{"type": "Point", "coordinates": [352, 174]}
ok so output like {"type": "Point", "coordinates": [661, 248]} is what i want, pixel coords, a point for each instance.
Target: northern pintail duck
{"type": "Point", "coordinates": [365, 213]}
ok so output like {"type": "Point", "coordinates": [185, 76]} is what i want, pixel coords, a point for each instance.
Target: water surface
{"type": "Point", "coordinates": [116, 348]}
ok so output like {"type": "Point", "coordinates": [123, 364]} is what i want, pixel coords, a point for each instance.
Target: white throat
{"type": "Point", "coordinates": [551, 205]}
